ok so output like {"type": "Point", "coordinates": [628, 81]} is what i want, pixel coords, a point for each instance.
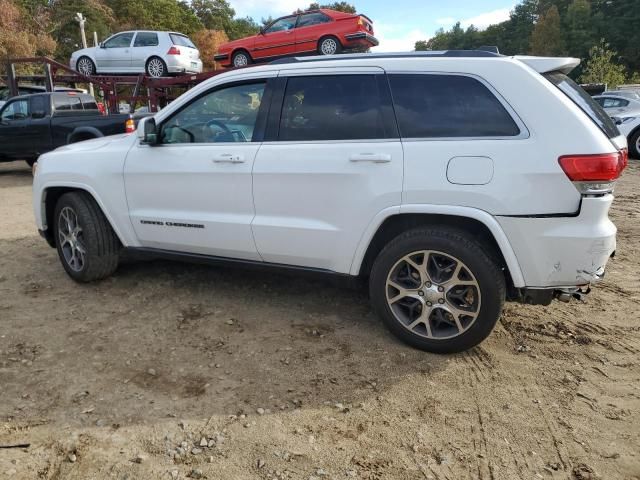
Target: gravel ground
{"type": "Point", "coordinates": [172, 370]}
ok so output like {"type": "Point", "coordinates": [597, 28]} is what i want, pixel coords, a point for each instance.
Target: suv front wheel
{"type": "Point", "coordinates": [87, 246]}
{"type": "Point", "coordinates": [437, 289]}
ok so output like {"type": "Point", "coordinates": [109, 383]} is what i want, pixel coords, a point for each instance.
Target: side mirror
{"type": "Point", "coordinates": [38, 114]}
{"type": "Point", "coordinates": [147, 132]}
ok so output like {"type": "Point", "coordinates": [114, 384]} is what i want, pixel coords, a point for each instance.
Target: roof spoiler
{"type": "Point", "coordinates": [549, 64]}
{"type": "Point", "coordinates": [363, 15]}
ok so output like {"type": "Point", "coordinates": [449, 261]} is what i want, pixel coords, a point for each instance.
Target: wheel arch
{"type": "Point", "coordinates": [330, 35]}
{"type": "Point", "coordinates": [84, 133]}
{"type": "Point", "coordinates": [239, 49]}
{"type": "Point", "coordinates": [391, 222]}
{"type": "Point", "coordinates": [50, 197]}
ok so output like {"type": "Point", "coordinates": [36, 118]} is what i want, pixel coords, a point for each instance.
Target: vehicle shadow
{"type": "Point", "coordinates": [165, 338]}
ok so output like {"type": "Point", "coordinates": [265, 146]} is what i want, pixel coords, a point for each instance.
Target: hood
{"type": "Point", "coordinates": [84, 51]}
{"type": "Point", "coordinates": [95, 143]}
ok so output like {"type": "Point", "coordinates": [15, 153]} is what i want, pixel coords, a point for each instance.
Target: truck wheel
{"type": "Point", "coordinates": [329, 46]}
{"type": "Point", "coordinates": [240, 59]}
{"type": "Point", "coordinates": [85, 66]}
{"type": "Point", "coordinates": [87, 246]}
{"type": "Point", "coordinates": [437, 289]}
{"type": "Point", "coordinates": [156, 67]}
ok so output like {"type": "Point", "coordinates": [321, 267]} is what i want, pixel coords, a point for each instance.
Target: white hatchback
{"type": "Point", "coordinates": [449, 181]}
{"type": "Point", "coordinates": [157, 54]}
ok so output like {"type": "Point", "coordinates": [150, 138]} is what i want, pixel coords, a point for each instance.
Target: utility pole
{"type": "Point", "coordinates": [81, 20]}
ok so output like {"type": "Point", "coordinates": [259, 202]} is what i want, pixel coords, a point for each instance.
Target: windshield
{"type": "Point", "coordinates": [181, 40]}
{"type": "Point", "coordinates": [587, 104]}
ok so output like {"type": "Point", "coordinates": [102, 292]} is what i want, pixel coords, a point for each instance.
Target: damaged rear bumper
{"type": "Point", "coordinates": [556, 253]}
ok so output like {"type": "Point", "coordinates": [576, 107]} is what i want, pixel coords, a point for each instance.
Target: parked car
{"type": "Point", "coordinates": [157, 54]}
{"type": "Point", "coordinates": [420, 172]}
{"type": "Point", "coordinates": [5, 92]}
{"type": "Point", "coordinates": [322, 31]}
{"type": "Point", "coordinates": [34, 124]}
{"type": "Point", "coordinates": [614, 104]}
{"type": "Point", "coordinates": [632, 94]}
{"type": "Point", "coordinates": [629, 126]}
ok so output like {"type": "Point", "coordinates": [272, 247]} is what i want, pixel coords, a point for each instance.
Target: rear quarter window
{"type": "Point", "coordinates": [67, 103]}
{"type": "Point", "coordinates": [448, 106]}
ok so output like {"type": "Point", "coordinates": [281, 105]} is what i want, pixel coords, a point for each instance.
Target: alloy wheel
{"type": "Point", "coordinates": [85, 66]}
{"type": "Point", "coordinates": [240, 60]}
{"type": "Point", "coordinates": [155, 67]}
{"type": "Point", "coordinates": [433, 294]}
{"type": "Point", "coordinates": [329, 46]}
{"type": "Point", "coordinates": [71, 239]}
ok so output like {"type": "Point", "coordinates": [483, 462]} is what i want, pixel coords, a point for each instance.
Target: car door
{"type": "Point", "coordinates": [330, 163]}
{"type": "Point", "coordinates": [114, 54]}
{"type": "Point", "coordinates": [192, 192]}
{"type": "Point", "coordinates": [277, 39]}
{"type": "Point", "coordinates": [145, 44]}
{"type": "Point", "coordinates": [14, 119]}
{"type": "Point", "coordinates": [311, 26]}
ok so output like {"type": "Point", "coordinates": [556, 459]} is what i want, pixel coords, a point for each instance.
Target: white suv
{"type": "Point", "coordinates": [452, 181]}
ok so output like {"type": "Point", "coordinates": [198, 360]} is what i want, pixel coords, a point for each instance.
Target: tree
{"type": "Point", "coordinates": [603, 67]}
{"type": "Point", "coordinates": [578, 28]}
{"type": "Point", "coordinates": [20, 37]}
{"type": "Point", "coordinates": [242, 27]}
{"type": "Point", "coordinates": [208, 42]}
{"type": "Point", "coordinates": [171, 15]}
{"type": "Point", "coordinates": [214, 14]}
{"type": "Point", "coordinates": [345, 7]}
{"type": "Point", "coordinates": [421, 45]}
{"type": "Point", "coordinates": [546, 38]}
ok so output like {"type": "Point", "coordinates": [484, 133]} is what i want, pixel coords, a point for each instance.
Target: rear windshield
{"type": "Point", "coordinates": [587, 104]}
{"type": "Point", "coordinates": [181, 40]}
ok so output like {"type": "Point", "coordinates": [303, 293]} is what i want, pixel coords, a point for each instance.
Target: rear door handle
{"type": "Point", "coordinates": [228, 158]}
{"type": "Point", "coordinates": [370, 157]}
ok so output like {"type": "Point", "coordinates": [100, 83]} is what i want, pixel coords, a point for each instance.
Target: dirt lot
{"type": "Point", "coordinates": [296, 379]}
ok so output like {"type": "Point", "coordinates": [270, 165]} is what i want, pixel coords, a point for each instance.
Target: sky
{"type": "Point", "coordinates": [399, 27]}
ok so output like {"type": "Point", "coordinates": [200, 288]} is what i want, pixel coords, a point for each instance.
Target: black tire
{"type": "Point", "coordinates": [329, 45]}
{"type": "Point", "coordinates": [85, 66]}
{"type": "Point", "coordinates": [156, 68]}
{"type": "Point", "coordinates": [634, 145]}
{"type": "Point", "coordinates": [475, 258]}
{"type": "Point", "coordinates": [241, 58]}
{"type": "Point", "coordinates": [96, 237]}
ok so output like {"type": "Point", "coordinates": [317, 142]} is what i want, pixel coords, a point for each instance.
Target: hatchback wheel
{"type": "Point", "coordinates": [437, 289]}
{"type": "Point", "coordinates": [156, 67]}
{"type": "Point", "coordinates": [329, 46]}
{"type": "Point", "coordinates": [241, 59]}
{"type": "Point", "coordinates": [87, 246]}
{"type": "Point", "coordinates": [85, 66]}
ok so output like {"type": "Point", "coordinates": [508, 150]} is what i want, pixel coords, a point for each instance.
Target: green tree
{"type": "Point", "coordinates": [214, 14]}
{"type": "Point", "coordinates": [603, 67]}
{"type": "Point", "coordinates": [579, 28]}
{"type": "Point", "coordinates": [155, 15]}
{"type": "Point", "coordinates": [546, 38]}
{"type": "Point", "coordinates": [345, 7]}
{"type": "Point", "coordinates": [421, 45]}
{"type": "Point", "coordinates": [242, 27]}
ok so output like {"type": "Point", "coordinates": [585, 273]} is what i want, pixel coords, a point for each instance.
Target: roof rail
{"type": "Point", "coordinates": [420, 54]}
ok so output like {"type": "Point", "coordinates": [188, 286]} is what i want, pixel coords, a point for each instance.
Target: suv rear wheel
{"type": "Point", "coordinates": [87, 246]}
{"type": "Point", "coordinates": [437, 289]}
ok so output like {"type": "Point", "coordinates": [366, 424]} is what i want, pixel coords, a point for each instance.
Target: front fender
{"type": "Point", "coordinates": [480, 215]}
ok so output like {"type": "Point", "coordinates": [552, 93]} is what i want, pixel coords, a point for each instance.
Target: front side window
{"type": "Point", "coordinates": [146, 39]}
{"type": "Point", "coordinates": [332, 107]}
{"type": "Point", "coordinates": [18, 110]}
{"type": "Point", "coordinates": [225, 115]}
{"type": "Point", "coordinates": [309, 19]}
{"type": "Point", "coordinates": [282, 25]}
{"type": "Point", "coordinates": [119, 41]}
{"type": "Point", "coordinates": [445, 106]}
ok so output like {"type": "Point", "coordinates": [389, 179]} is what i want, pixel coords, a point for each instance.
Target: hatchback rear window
{"type": "Point", "coordinates": [181, 40]}
{"type": "Point", "coordinates": [587, 104]}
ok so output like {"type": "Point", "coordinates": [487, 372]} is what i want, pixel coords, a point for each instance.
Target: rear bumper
{"type": "Point", "coordinates": [563, 251]}
{"type": "Point", "coordinates": [360, 38]}
{"type": "Point", "coordinates": [178, 64]}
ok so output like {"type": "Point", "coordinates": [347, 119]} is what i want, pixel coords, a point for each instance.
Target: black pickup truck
{"type": "Point", "coordinates": [31, 125]}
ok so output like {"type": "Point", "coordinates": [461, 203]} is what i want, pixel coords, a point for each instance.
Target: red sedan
{"type": "Point", "coordinates": [323, 31]}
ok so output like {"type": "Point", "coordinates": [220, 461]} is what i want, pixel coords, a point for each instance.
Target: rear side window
{"type": "Point", "coordinates": [181, 40]}
{"type": "Point", "coordinates": [146, 39]}
{"type": "Point", "coordinates": [66, 103]}
{"type": "Point", "coordinates": [443, 106]}
{"type": "Point", "coordinates": [89, 103]}
{"type": "Point", "coordinates": [332, 107]}
{"type": "Point", "coordinates": [309, 19]}
{"type": "Point", "coordinates": [587, 104]}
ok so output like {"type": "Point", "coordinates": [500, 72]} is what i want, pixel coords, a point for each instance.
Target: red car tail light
{"type": "Point", "coordinates": [594, 174]}
{"type": "Point", "coordinates": [173, 51]}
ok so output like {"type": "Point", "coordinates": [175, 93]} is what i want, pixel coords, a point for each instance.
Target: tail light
{"type": "Point", "coordinates": [173, 51]}
{"type": "Point", "coordinates": [129, 125]}
{"type": "Point", "coordinates": [594, 174]}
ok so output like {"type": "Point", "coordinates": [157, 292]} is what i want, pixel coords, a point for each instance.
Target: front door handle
{"type": "Point", "coordinates": [370, 157]}
{"type": "Point", "coordinates": [228, 158]}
